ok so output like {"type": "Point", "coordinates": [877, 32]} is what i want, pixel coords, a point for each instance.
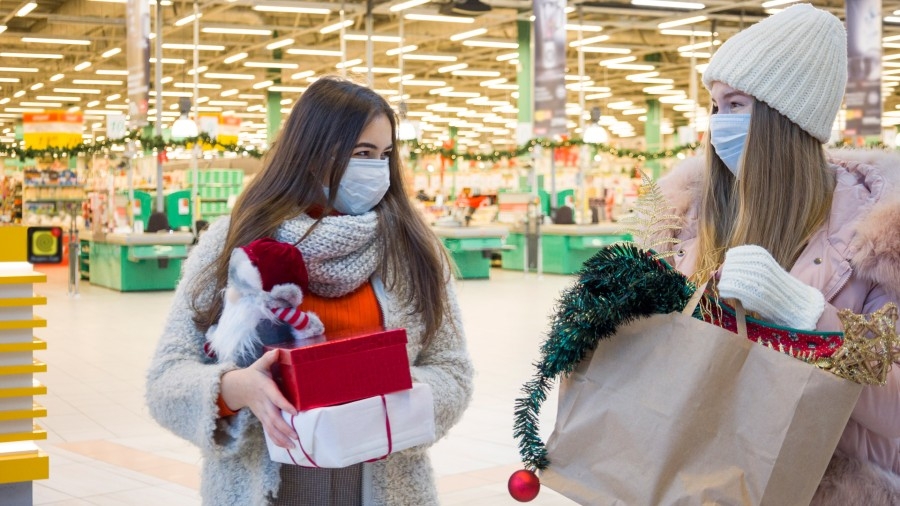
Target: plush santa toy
{"type": "Point", "coordinates": [266, 279]}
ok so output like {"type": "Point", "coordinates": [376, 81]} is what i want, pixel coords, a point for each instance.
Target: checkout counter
{"type": "Point", "coordinates": [134, 262]}
{"type": "Point", "coordinates": [471, 247]}
{"type": "Point", "coordinates": [564, 248]}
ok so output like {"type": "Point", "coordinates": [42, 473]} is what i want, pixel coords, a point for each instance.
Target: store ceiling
{"type": "Point", "coordinates": [486, 113]}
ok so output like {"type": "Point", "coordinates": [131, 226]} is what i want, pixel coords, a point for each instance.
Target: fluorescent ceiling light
{"type": "Point", "coordinates": [2, 28]}
{"type": "Point", "coordinates": [891, 38]}
{"type": "Point", "coordinates": [36, 86]}
{"type": "Point", "coordinates": [376, 70]}
{"type": "Point", "coordinates": [687, 33]}
{"type": "Point", "coordinates": [337, 26]}
{"type": "Point", "coordinates": [174, 61]}
{"type": "Point", "coordinates": [166, 80]}
{"type": "Point", "coordinates": [430, 57]}
{"type": "Point", "coordinates": [394, 39]}
{"type": "Point", "coordinates": [288, 89]}
{"type": "Point", "coordinates": [251, 96]}
{"type": "Point", "coordinates": [235, 30]}
{"type": "Point", "coordinates": [110, 72]}
{"type": "Point", "coordinates": [491, 43]}
{"type": "Point", "coordinates": [349, 63]}
{"type": "Point", "coordinates": [92, 103]}
{"type": "Point", "coordinates": [399, 50]}
{"type": "Point", "coordinates": [228, 103]}
{"type": "Point", "coordinates": [438, 18]}
{"type": "Point", "coordinates": [83, 65]}
{"type": "Point", "coordinates": [219, 75]}
{"type": "Point", "coordinates": [476, 73]}
{"type": "Point", "coordinates": [47, 40]}
{"type": "Point", "coordinates": [315, 52]}
{"type": "Point", "coordinates": [228, 93]}
{"type": "Point", "coordinates": [681, 22]}
{"type": "Point", "coordinates": [26, 9]}
{"type": "Point", "coordinates": [200, 47]}
{"type": "Point", "coordinates": [199, 70]}
{"type": "Point", "coordinates": [695, 54]}
{"type": "Point", "coordinates": [451, 68]}
{"type": "Point", "coordinates": [271, 65]}
{"type": "Point", "coordinates": [32, 55]}
{"type": "Point", "coordinates": [18, 69]}
{"type": "Point", "coordinates": [589, 40]}
{"type": "Point", "coordinates": [583, 28]}
{"type": "Point", "coordinates": [629, 66]}
{"type": "Point", "coordinates": [776, 3]}
{"type": "Point", "coordinates": [56, 77]}
{"type": "Point", "coordinates": [699, 45]}
{"type": "Point", "coordinates": [235, 57]}
{"type": "Point", "coordinates": [492, 82]}
{"type": "Point", "coordinates": [202, 86]}
{"type": "Point", "coordinates": [291, 9]}
{"type": "Point", "coordinates": [19, 93]}
{"type": "Point", "coordinates": [279, 43]}
{"type": "Point", "coordinates": [263, 84]}
{"type": "Point", "coordinates": [668, 4]}
{"type": "Point", "coordinates": [402, 6]}
{"type": "Point", "coordinates": [603, 49]}
{"type": "Point", "coordinates": [301, 75]}
{"type": "Point", "coordinates": [115, 96]}
{"type": "Point", "coordinates": [424, 82]}
{"type": "Point", "coordinates": [187, 19]}
{"type": "Point", "coordinates": [86, 91]}
{"type": "Point", "coordinates": [892, 19]}
{"type": "Point", "coordinates": [469, 34]}
{"type": "Point", "coordinates": [613, 61]}
{"type": "Point", "coordinates": [111, 52]}
{"type": "Point", "coordinates": [102, 82]}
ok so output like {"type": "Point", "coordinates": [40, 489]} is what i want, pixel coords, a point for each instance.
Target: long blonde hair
{"type": "Point", "coordinates": [313, 147]}
{"type": "Point", "coordinates": [782, 197]}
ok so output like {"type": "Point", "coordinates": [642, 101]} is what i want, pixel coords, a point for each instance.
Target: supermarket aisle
{"type": "Point", "coordinates": [105, 450]}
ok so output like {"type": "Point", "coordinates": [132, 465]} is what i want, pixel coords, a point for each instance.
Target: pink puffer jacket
{"type": "Point", "coordinates": [854, 260]}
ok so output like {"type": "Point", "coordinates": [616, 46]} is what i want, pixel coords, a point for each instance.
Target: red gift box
{"type": "Point", "coordinates": [345, 367]}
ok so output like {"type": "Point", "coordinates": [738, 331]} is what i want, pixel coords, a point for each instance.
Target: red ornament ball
{"type": "Point", "coordinates": [524, 485]}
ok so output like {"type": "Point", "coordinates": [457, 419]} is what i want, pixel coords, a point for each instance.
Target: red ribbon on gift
{"type": "Point", "coordinates": [387, 427]}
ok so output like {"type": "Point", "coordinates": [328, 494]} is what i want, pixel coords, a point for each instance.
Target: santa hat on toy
{"type": "Point", "coordinates": [266, 280]}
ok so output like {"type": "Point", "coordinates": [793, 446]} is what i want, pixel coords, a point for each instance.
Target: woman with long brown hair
{"type": "Point", "coordinates": [792, 232]}
{"type": "Point", "coordinates": [332, 186]}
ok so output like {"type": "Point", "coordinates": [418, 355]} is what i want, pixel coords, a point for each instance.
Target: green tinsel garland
{"type": "Point", "coordinates": [616, 286]}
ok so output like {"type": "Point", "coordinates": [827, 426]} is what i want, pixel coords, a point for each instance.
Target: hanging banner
{"type": "Point", "coordinates": [137, 53]}
{"type": "Point", "coordinates": [229, 128]}
{"type": "Point", "coordinates": [863, 98]}
{"type": "Point", "coordinates": [115, 126]}
{"type": "Point", "coordinates": [549, 68]}
{"type": "Point", "coordinates": [52, 129]}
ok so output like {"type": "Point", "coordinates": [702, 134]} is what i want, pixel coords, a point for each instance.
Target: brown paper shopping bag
{"type": "Point", "coordinates": [673, 410]}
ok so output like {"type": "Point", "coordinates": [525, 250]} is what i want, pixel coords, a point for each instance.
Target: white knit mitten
{"type": "Point", "coordinates": [751, 275]}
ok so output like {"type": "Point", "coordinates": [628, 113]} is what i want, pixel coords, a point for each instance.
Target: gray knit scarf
{"type": "Point", "coordinates": [341, 254]}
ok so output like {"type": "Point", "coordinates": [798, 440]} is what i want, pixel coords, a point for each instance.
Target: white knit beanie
{"type": "Point", "coordinates": [795, 61]}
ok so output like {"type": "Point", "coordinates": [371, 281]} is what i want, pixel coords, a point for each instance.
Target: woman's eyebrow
{"type": "Point", "coordinates": [366, 145]}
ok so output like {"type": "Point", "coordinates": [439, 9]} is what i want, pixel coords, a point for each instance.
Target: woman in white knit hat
{"type": "Point", "coordinates": [797, 233]}
{"type": "Point", "coordinates": [331, 186]}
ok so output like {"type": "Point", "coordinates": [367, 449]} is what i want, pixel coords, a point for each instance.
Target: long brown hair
{"type": "Point", "coordinates": [782, 197]}
{"type": "Point", "coordinates": [313, 148]}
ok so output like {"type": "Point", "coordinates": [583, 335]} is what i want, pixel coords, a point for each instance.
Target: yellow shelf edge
{"type": "Point", "coordinates": [37, 433]}
{"type": "Point", "coordinates": [37, 411]}
{"type": "Point", "coordinates": [35, 322]}
{"type": "Point", "coordinates": [24, 467]}
{"type": "Point", "coordinates": [35, 344]}
{"type": "Point", "coordinates": [35, 367]}
{"type": "Point", "coordinates": [37, 300]}
{"type": "Point", "coordinates": [36, 389]}
{"type": "Point", "coordinates": [18, 279]}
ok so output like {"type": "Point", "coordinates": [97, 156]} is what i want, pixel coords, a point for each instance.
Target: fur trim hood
{"type": "Point", "coordinates": [874, 245]}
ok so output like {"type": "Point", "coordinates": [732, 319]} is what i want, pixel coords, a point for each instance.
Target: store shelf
{"type": "Point", "coordinates": [19, 279]}
{"type": "Point", "coordinates": [37, 432]}
{"type": "Point", "coordinates": [34, 344]}
{"type": "Point", "coordinates": [36, 411]}
{"type": "Point", "coordinates": [37, 300]}
{"type": "Point", "coordinates": [36, 388]}
{"type": "Point", "coordinates": [24, 465]}
{"type": "Point", "coordinates": [33, 323]}
{"type": "Point", "coordinates": [35, 367]}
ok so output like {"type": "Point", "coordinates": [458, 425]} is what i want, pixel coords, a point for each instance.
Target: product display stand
{"type": "Point", "coordinates": [471, 247]}
{"type": "Point", "coordinates": [135, 262]}
{"type": "Point", "coordinates": [565, 247]}
{"type": "Point", "coordinates": [21, 461]}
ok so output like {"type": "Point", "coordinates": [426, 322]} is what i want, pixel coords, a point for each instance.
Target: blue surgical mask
{"type": "Point", "coordinates": [363, 186]}
{"type": "Point", "coordinates": [727, 134]}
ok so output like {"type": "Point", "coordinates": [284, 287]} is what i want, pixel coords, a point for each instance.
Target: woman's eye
{"type": "Point", "coordinates": [361, 154]}
{"type": "Point", "coordinates": [385, 156]}
{"type": "Point", "coordinates": [736, 105]}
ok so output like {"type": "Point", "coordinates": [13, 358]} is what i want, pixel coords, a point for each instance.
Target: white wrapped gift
{"type": "Point", "coordinates": [369, 429]}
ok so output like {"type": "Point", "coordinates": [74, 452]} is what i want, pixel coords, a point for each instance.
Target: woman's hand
{"type": "Point", "coordinates": [254, 388]}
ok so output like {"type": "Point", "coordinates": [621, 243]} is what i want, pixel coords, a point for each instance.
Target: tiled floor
{"type": "Point", "coordinates": [105, 450]}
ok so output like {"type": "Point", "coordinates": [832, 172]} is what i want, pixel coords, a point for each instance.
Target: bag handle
{"type": "Point", "coordinates": [740, 314]}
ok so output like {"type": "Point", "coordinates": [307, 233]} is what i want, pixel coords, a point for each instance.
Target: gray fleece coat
{"type": "Point", "coordinates": [183, 387]}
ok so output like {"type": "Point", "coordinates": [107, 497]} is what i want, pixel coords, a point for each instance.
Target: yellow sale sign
{"type": "Point", "coordinates": [52, 129]}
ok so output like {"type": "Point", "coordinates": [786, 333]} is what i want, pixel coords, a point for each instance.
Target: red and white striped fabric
{"type": "Point", "coordinates": [292, 316]}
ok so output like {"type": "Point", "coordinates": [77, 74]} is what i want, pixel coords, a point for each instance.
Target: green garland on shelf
{"type": "Point", "coordinates": [430, 149]}
{"type": "Point", "coordinates": [149, 143]}
{"type": "Point", "coordinates": [143, 142]}
{"type": "Point", "coordinates": [616, 286]}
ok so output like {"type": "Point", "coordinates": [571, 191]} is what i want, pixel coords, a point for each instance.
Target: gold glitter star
{"type": "Point", "coordinates": [870, 347]}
